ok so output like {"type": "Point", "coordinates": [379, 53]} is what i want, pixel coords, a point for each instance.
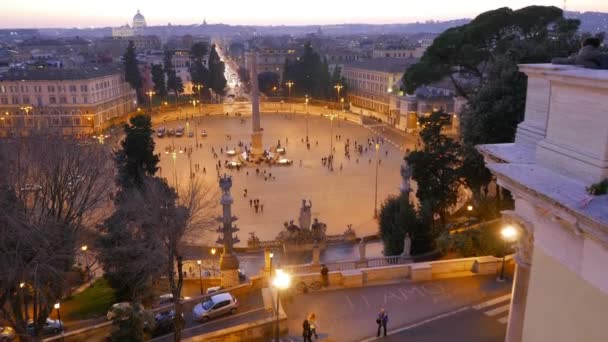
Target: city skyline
{"type": "Point", "coordinates": [69, 13]}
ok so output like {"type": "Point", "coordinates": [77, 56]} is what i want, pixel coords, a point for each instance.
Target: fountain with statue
{"type": "Point", "coordinates": [304, 236]}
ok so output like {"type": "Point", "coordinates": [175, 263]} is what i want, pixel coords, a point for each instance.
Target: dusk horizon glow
{"type": "Point", "coordinates": [112, 13]}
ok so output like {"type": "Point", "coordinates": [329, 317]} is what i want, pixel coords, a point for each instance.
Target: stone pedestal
{"type": "Point", "coordinates": [229, 270]}
{"type": "Point", "coordinates": [257, 150]}
{"type": "Point", "coordinates": [316, 255]}
{"type": "Point", "coordinates": [267, 262]}
{"type": "Point", "coordinates": [229, 278]}
{"type": "Point", "coordinates": [519, 297]}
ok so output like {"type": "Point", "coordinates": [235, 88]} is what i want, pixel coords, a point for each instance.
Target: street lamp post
{"type": "Point", "coordinates": [376, 195]}
{"type": "Point", "coordinates": [271, 255]}
{"type": "Point", "coordinates": [508, 234]}
{"type": "Point", "coordinates": [200, 273]}
{"type": "Point", "coordinates": [174, 156]}
{"type": "Point", "coordinates": [150, 93]}
{"type": "Point", "coordinates": [331, 132]}
{"type": "Point", "coordinates": [87, 269]}
{"type": "Point", "coordinates": [338, 87]}
{"type": "Point", "coordinates": [281, 281]}
{"type": "Point", "coordinates": [213, 251]}
{"type": "Point", "coordinates": [57, 306]}
{"type": "Point", "coordinates": [289, 85]}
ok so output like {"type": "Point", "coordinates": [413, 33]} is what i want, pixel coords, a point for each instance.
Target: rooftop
{"type": "Point", "coordinates": [385, 64]}
{"type": "Point", "coordinates": [52, 74]}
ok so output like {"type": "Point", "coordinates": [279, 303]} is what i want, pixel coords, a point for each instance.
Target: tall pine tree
{"type": "Point", "coordinates": [199, 74]}
{"type": "Point", "coordinates": [158, 78]}
{"type": "Point", "coordinates": [132, 75]}
{"type": "Point", "coordinates": [216, 72]}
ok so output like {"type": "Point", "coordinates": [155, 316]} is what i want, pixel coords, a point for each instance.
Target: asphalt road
{"type": "Point", "coordinates": [349, 314]}
{"type": "Point", "coordinates": [466, 325]}
{"type": "Point", "coordinates": [252, 305]}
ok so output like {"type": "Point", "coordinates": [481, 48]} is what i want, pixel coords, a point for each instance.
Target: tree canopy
{"type": "Point", "coordinates": [217, 79]}
{"type": "Point", "coordinates": [136, 157]}
{"type": "Point", "coordinates": [464, 53]}
{"type": "Point", "coordinates": [310, 74]}
{"type": "Point", "coordinates": [132, 75]}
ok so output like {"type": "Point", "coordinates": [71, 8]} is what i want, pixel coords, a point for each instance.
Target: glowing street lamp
{"type": "Point", "coordinates": [338, 87]}
{"type": "Point", "coordinates": [200, 274]}
{"type": "Point", "coordinates": [150, 94]}
{"type": "Point", "coordinates": [87, 269]}
{"type": "Point", "coordinates": [57, 306]}
{"type": "Point", "coordinates": [213, 251]}
{"type": "Point", "coordinates": [281, 281]}
{"type": "Point", "coordinates": [508, 233]}
{"type": "Point", "coordinates": [469, 207]}
{"type": "Point", "coordinates": [289, 85]}
{"type": "Point", "coordinates": [271, 255]}
{"type": "Point", "coordinates": [376, 196]}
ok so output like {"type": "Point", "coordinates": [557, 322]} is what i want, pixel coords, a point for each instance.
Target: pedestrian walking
{"type": "Point", "coordinates": [382, 321]}
{"type": "Point", "coordinates": [250, 202]}
{"type": "Point", "coordinates": [306, 331]}
{"type": "Point", "coordinates": [325, 275]}
{"type": "Point", "coordinates": [312, 321]}
{"type": "Point", "coordinates": [261, 207]}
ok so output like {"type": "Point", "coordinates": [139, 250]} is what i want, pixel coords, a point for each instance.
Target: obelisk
{"type": "Point", "coordinates": [229, 263]}
{"type": "Point", "coordinates": [257, 148]}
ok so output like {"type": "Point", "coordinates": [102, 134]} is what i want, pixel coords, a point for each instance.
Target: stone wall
{"type": "Point", "coordinates": [415, 271]}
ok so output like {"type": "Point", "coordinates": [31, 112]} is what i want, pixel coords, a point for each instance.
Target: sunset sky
{"type": "Point", "coordinates": [78, 13]}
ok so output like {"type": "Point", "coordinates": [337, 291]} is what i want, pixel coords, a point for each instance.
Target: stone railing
{"type": "Point", "coordinates": [362, 273]}
{"type": "Point", "coordinates": [349, 265]}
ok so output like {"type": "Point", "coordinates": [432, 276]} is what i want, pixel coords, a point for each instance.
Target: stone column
{"type": "Point", "coordinates": [229, 263]}
{"type": "Point", "coordinates": [521, 280]}
{"type": "Point", "coordinates": [257, 148]}
{"type": "Point", "coordinates": [316, 255]}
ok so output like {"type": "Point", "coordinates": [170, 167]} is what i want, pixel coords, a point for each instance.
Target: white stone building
{"type": "Point", "coordinates": [560, 289]}
{"type": "Point", "coordinates": [65, 101]}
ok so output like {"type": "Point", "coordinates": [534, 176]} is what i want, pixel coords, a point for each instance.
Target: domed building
{"type": "Point", "coordinates": [139, 22]}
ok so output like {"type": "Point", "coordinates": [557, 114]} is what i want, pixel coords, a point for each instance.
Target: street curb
{"type": "Point", "coordinates": [419, 323]}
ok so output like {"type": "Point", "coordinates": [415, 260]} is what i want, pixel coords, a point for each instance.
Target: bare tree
{"type": "Point", "coordinates": [52, 187]}
{"type": "Point", "coordinates": [174, 218]}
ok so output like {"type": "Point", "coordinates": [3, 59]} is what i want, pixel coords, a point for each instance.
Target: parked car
{"type": "Point", "coordinates": [7, 334]}
{"type": "Point", "coordinates": [120, 310]}
{"type": "Point", "coordinates": [204, 133]}
{"type": "Point", "coordinates": [218, 305]}
{"type": "Point", "coordinates": [160, 132]}
{"type": "Point", "coordinates": [51, 326]}
{"type": "Point", "coordinates": [190, 134]}
{"type": "Point", "coordinates": [165, 322]}
{"type": "Point", "coordinates": [213, 289]}
{"type": "Point", "coordinates": [179, 131]}
{"type": "Point", "coordinates": [168, 299]}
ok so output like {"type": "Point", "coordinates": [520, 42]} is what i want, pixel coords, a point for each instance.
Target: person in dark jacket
{"type": "Point", "coordinates": [306, 333]}
{"type": "Point", "coordinates": [324, 275]}
{"type": "Point", "coordinates": [382, 321]}
{"type": "Point", "coordinates": [589, 56]}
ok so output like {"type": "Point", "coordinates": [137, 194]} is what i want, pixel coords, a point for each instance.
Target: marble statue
{"type": "Point", "coordinates": [361, 250]}
{"type": "Point", "coordinates": [305, 214]}
{"type": "Point", "coordinates": [406, 175]}
{"type": "Point", "coordinates": [407, 245]}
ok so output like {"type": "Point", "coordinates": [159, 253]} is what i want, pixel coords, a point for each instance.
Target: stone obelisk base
{"type": "Point", "coordinates": [257, 149]}
{"type": "Point", "coordinates": [229, 270]}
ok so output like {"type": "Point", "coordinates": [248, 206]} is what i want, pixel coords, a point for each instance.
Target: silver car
{"type": "Point", "coordinates": [217, 305]}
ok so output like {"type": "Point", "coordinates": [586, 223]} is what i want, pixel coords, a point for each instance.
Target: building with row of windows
{"type": "Point", "coordinates": [64, 101]}
{"type": "Point", "coordinates": [375, 84]}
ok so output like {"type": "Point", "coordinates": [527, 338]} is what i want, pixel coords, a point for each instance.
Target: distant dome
{"type": "Point", "coordinates": [138, 20]}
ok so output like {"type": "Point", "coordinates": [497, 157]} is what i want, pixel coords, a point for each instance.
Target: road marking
{"type": "Point", "coordinates": [417, 324]}
{"type": "Point", "coordinates": [218, 320]}
{"type": "Point", "coordinates": [498, 310]}
{"type": "Point", "coordinates": [492, 302]}
{"type": "Point", "coordinates": [503, 320]}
